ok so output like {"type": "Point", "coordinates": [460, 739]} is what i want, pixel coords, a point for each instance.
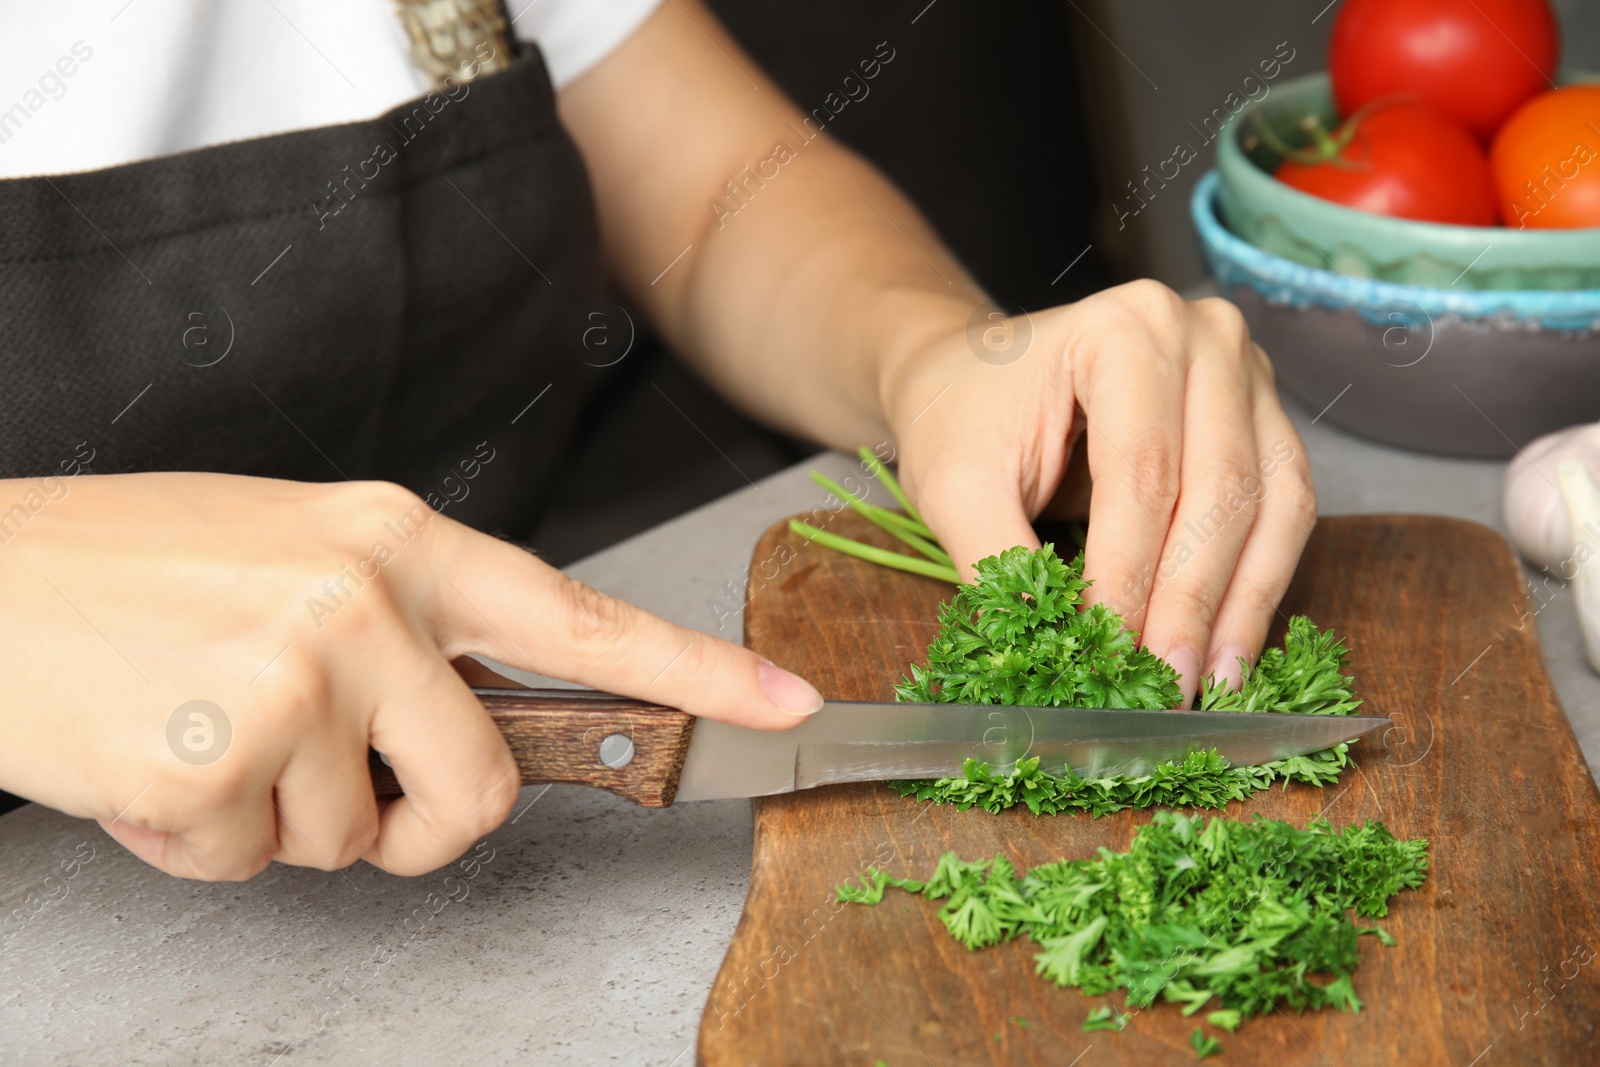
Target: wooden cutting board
{"type": "Point", "coordinates": [1499, 953]}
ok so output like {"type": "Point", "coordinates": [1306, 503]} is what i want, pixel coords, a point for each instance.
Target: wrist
{"type": "Point", "coordinates": [928, 328]}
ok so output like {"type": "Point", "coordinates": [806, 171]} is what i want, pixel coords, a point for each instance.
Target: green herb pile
{"type": "Point", "coordinates": [1243, 913]}
{"type": "Point", "coordinates": [1020, 636]}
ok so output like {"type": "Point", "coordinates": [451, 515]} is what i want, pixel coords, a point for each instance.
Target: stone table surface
{"type": "Point", "coordinates": [587, 931]}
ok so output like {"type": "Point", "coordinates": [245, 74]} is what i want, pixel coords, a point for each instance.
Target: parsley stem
{"type": "Point", "coordinates": [897, 560]}
{"type": "Point", "coordinates": [878, 470]}
{"type": "Point", "coordinates": [886, 520]}
{"type": "Point", "coordinates": [905, 522]}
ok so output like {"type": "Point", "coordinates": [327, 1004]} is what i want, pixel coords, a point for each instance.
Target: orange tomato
{"type": "Point", "coordinates": [1546, 161]}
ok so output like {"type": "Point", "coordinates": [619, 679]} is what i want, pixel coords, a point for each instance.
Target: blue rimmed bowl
{"type": "Point", "coordinates": [1319, 233]}
{"type": "Point", "coordinates": [1457, 371]}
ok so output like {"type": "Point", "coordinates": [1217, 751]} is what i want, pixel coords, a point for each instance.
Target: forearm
{"type": "Point", "coordinates": [800, 293]}
{"type": "Point", "coordinates": [804, 304]}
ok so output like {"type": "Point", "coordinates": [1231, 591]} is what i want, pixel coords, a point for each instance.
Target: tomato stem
{"type": "Point", "coordinates": [1326, 147]}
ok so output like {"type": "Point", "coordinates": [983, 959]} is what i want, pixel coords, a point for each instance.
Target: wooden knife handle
{"type": "Point", "coordinates": [628, 747]}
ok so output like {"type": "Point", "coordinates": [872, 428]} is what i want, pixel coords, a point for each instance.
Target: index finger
{"type": "Point", "coordinates": [499, 600]}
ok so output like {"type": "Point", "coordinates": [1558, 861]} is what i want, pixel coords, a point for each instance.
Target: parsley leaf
{"type": "Point", "coordinates": [1203, 1046]}
{"type": "Point", "coordinates": [1018, 637]}
{"type": "Point", "coordinates": [1226, 1019]}
{"type": "Point", "coordinates": [1104, 1018]}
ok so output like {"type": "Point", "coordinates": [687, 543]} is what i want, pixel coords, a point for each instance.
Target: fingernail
{"type": "Point", "coordinates": [1225, 665]}
{"type": "Point", "coordinates": [791, 693]}
{"type": "Point", "coordinates": [1187, 664]}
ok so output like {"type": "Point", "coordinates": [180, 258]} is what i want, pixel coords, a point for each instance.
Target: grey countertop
{"type": "Point", "coordinates": [587, 932]}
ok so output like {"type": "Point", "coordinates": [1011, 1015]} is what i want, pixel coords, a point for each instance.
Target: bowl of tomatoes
{"type": "Point", "coordinates": [1441, 149]}
{"type": "Point", "coordinates": [1447, 369]}
{"type": "Point", "coordinates": [1414, 236]}
{"type": "Point", "coordinates": [1289, 220]}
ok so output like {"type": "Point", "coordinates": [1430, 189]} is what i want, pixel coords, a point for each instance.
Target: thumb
{"type": "Point", "coordinates": [500, 601]}
{"type": "Point", "coordinates": [982, 517]}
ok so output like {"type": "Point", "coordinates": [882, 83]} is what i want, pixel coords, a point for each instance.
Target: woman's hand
{"type": "Point", "coordinates": [315, 620]}
{"type": "Point", "coordinates": [1201, 492]}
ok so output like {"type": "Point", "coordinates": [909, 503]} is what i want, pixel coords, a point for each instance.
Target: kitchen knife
{"type": "Point", "coordinates": [653, 755]}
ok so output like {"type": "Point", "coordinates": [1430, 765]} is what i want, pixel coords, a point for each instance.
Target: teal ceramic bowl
{"type": "Point", "coordinates": [1358, 244]}
{"type": "Point", "coordinates": [1450, 370]}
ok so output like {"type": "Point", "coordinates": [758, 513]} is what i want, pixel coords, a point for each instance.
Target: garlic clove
{"type": "Point", "coordinates": [1535, 510]}
{"type": "Point", "coordinates": [1583, 505]}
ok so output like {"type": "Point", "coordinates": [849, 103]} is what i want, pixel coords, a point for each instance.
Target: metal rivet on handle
{"type": "Point", "coordinates": [616, 751]}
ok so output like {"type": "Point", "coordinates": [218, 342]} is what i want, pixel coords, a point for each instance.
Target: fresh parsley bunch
{"type": "Point", "coordinates": [1197, 909]}
{"type": "Point", "coordinates": [1017, 636]}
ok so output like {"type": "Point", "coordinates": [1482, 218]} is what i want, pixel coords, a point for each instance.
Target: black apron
{"type": "Point", "coordinates": [380, 299]}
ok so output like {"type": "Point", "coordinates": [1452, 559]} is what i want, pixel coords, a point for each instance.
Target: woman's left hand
{"type": "Point", "coordinates": [1156, 418]}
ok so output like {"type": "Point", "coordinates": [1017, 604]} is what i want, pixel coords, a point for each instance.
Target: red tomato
{"type": "Point", "coordinates": [1403, 159]}
{"type": "Point", "coordinates": [1475, 60]}
{"type": "Point", "coordinates": [1546, 161]}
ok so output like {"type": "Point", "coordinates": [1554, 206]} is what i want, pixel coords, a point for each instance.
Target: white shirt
{"type": "Point", "coordinates": [96, 83]}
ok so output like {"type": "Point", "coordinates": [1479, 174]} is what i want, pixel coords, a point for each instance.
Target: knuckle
{"type": "Point", "coordinates": [240, 868]}
{"type": "Point", "coordinates": [1150, 292]}
{"type": "Point", "coordinates": [1152, 478]}
{"type": "Point", "coordinates": [1160, 306]}
{"type": "Point", "coordinates": [214, 787]}
{"type": "Point", "coordinates": [1192, 603]}
{"type": "Point", "coordinates": [1235, 485]}
{"type": "Point", "coordinates": [301, 695]}
{"type": "Point", "coordinates": [357, 843]}
{"type": "Point", "coordinates": [382, 498]}
{"type": "Point", "coordinates": [699, 658]}
{"type": "Point", "coordinates": [497, 794]}
{"type": "Point", "coordinates": [1301, 496]}
{"type": "Point", "coordinates": [1225, 317]}
{"type": "Point", "coordinates": [248, 868]}
{"type": "Point", "coordinates": [591, 617]}
{"type": "Point", "coordinates": [363, 510]}
{"type": "Point", "coordinates": [1263, 365]}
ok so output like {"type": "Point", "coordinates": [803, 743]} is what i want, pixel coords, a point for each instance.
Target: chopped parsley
{"type": "Point", "coordinates": [1239, 916]}
{"type": "Point", "coordinates": [1104, 1018]}
{"type": "Point", "coordinates": [1226, 1019]}
{"type": "Point", "coordinates": [1198, 910]}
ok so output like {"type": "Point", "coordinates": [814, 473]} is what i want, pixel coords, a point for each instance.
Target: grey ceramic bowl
{"type": "Point", "coordinates": [1458, 371]}
{"type": "Point", "coordinates": [1359, 244]}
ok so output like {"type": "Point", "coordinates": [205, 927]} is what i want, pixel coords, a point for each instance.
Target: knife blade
{"type": "Point", "coordinates": [653, 755]}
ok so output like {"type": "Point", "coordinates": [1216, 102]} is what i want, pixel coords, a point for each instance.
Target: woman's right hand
{"type": "Point", "coordinates": [316, 620]}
